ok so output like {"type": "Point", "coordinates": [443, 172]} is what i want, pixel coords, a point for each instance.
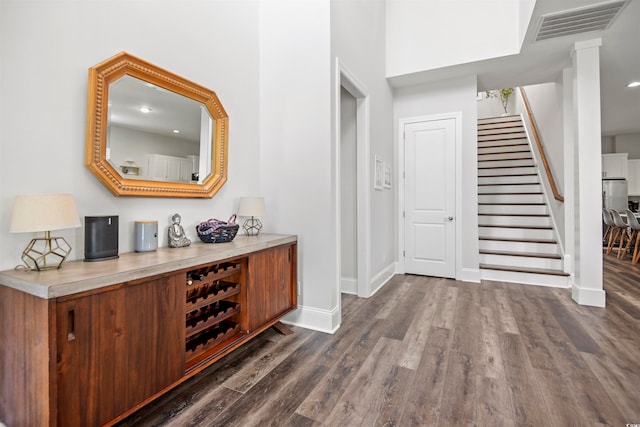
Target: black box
{"type": "Point", "coordinates": [100, 237]}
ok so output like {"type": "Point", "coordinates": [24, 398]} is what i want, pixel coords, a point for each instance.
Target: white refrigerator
{"type": "Point", "coordinates": [614, 194]}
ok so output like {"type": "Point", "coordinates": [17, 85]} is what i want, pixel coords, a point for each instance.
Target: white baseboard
{"type": "Point", "coordinates": [590, 297]}
{"type": "Point", "coordinates": [379, 280]}
{"type": "Point", "coordinates": [314, 318]}
{"type": "Point", "coordinates": [349, 285]}
{"type": "Point", "coordinates": [469, 275]}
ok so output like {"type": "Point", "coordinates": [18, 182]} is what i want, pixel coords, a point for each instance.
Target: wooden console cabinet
{"type": "Point", "coordinates": [90, 343]}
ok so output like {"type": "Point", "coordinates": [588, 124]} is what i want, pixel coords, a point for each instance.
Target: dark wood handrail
{"type": "Point", "coordinates": [543, 156]}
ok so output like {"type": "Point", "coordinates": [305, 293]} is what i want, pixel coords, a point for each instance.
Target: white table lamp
{"type": "Point", "coordinates": [44, 212]}
{"type": "Point", "coordinates": [251, 208]}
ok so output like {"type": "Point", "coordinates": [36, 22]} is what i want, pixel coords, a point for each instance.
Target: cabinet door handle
{"type": "Point", "coordinates": [71, 324]}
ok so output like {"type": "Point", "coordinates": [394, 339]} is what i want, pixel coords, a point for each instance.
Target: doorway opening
{"type": "Point", "coordinates": [352, 176]}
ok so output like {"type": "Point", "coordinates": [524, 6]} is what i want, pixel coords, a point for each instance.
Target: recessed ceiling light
{"type": "Point", "coordinates": [634, 84]}
{"type": "Point", "coordinates": [176, 131]}
{"type": "Point", "coordinates": [145, 109]}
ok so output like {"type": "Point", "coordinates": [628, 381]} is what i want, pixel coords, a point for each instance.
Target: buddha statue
{"type": "Point", "coordinates": [177, 236]}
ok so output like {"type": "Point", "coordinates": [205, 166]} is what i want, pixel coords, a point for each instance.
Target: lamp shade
{"type": "Point", "coordinates": [43, 212]}
{"type": "Point", "coordinates": [251, 206]}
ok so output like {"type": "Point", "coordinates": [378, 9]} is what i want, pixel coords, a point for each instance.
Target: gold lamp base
{"type": "Point", "coordinates": [46, 253]}
{"type": "Point", "coordinates": [252, 226]}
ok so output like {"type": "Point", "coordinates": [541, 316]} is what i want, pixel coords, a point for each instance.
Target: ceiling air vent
{"type": "Point", "coordinates": [596, 17]}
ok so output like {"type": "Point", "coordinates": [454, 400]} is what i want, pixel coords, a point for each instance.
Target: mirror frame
{"type": "Point", "coordinates": [100, 76]}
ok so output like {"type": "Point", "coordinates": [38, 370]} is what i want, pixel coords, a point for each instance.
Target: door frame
{"type": "Point", "coordinates": [400, 178]}
{"type": "Point", "coordinates": [347, 80]}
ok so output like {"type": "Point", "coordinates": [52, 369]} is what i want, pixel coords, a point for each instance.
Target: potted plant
{"type": "Point", "coordinates": [503, 94]}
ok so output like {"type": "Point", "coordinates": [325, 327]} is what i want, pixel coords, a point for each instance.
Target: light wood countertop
{"type": "Point", "coordinates": [79, 276]}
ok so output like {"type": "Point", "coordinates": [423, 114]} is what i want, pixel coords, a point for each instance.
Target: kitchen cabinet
{"type": "Point", "coordinates": [90, 343]}
{"type": "Point", "coordinates": [633, 177]}
{"type": "Point", "coordinates": [614, 165]}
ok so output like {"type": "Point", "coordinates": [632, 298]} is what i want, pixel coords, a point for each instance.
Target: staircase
{"type": "Point", "coordinates": [517, 239]}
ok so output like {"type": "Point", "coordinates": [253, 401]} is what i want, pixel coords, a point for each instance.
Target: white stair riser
{"type": "Point", "coordinates": [500, 129]}
{"type": "Point", "coordinates": [543, 221]}
{"type": "Point", "coordinates": [503, 119]}
{"type": "Point", "coordinates": [484, 140]}
{"type": "Point", "coordinates": [523, 262]}
{"type": "Point", "coordinates": [506, 156]}
{"type": "Point", "coordinates": [525, 278]}
{"type": "Point", "coordinates": [505, 138]}
{"type": "Point", "coordinates": [494, 149]}
{"type": "Point", "coordinates": [505, 163]}
{"type": "Point", "coordinates": [507, 171]}
{"type": "Point", "coordinates": [515, 233]}
{"type": "Point", "coordinates": [510, 198]}
{"type": "Point", "coordinates": [529, 179]}
{"type": "Point", "coordinates": [501, 245]}
{"type": "Point", "coordinates": [524, 188]}
{"type": "Point", "coordinates": [518, 209]}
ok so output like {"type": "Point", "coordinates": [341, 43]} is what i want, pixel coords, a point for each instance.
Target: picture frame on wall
{"type": "Point", "coordinates": [387, 176]}
{"type": "Point", "coordinates": [378, 177]}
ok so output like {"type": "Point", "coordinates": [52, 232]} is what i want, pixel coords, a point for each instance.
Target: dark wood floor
{"type": "Point", "coordinates": [427, 352]}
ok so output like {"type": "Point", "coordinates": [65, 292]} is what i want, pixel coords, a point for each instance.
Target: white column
{"type": "Point", "coordinates": [587, 289]}
{"type": "Point", "coordinates": [569, 159]}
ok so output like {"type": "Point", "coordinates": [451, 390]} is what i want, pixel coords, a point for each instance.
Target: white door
{"type": "Point", "coordinates": [430, 197]}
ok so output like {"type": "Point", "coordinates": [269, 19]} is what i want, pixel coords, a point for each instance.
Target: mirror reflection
{"type": "Point", "coordinates": [155, 134]}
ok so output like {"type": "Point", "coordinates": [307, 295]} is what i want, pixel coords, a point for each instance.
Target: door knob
{"type": "Point", "coordinates": [449, 218]}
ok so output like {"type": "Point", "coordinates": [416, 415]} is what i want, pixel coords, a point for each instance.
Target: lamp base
{"type": "Point", "coordinates": [252, 226]}
{"type": "Point", "coordinates": [46, 253]}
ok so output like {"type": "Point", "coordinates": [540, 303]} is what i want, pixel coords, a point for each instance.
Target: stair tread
{"type": "Point", "coordinates": [513, 204]}
{"type": "Point", "coordinates": [506, 167]}
{"type": "Point", "coordinates": [500, 127]}
{"type": "Point", "coordinates": [500, 119]}
{"type": "Point", "coordinates": [513, 214]}
{"type": "Point", "coordinates": [524, 270]}
{"type": "Point", "coordinates": [529, 227]}
{"type": "Point", "coordinates": [510, 194]}
{"type": "Point", "coordinates": [502, 139]}
{"type": "Point", "coordinates": [521, 254]}
{"type": "Point", "coordinates": [501, 133]}
{"type": "Point", "coordinates": [508, 183]}
{"type": "Point", "coordinates": [480, 147]}
{"type": "Point", "coordinates": [519, 240]}
{"type": "Point", "coordinates": [503, 152]}
{"type": "Point", "coordinates": [502, 176]}
{"type": "Point", "coordinates": [506, 160]}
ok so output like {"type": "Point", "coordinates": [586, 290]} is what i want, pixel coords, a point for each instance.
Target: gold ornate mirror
{"type": "Point", "coordinates": [153, 133]}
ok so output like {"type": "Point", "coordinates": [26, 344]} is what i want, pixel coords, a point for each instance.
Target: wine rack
{"type": "Point", "coordinates": [212, 307]}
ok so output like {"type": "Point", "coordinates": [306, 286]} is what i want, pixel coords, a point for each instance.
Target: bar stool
{"type": "Point", "coordinates": [620, 231]}
{"type": "Point", "coordinates": [635, 228]}
{"type": "Point", "coordinates": [608, 222]}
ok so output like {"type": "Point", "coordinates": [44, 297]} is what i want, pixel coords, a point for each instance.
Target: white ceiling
{"type": "Point", "coordinates": [543, 61]}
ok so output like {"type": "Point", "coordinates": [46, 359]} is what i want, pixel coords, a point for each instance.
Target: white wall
{"type": "Point", "coordinates": [546, 103]}
{"type": "Point", "coordinates": [492, 107]}
{"type": "Point", "coordinates": [429, 34]}
{"type": "Point", "coordinates": [546, 106]}
{"type": "Point", "coordinates": [628, 143]}
{"type": "Point", "coordinates": [357, 41]}
{"type": "Point", "coordinates": [608, 144]}
{"type": "Point", "coordinates": [348, 195]}
{"type": "Point", "coordinates": [46, 50]}
{"type": "Point", "coordinates": [456, 95]}
{"type": "Point", "coordinates": [296, 146]}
